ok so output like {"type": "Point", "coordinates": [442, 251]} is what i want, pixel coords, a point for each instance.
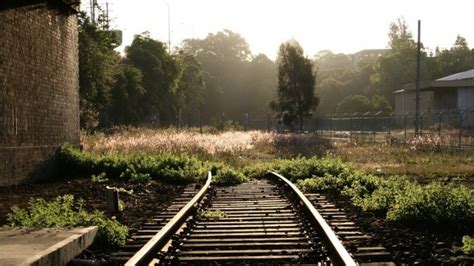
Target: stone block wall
{"type": "Point", "coordinates": [39, 89]}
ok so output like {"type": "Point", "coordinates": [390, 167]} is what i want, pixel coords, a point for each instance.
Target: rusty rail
{"type": "Point", "coordinates": [148, 251]}
{"type": "Point", "coordinates": [338, 254]}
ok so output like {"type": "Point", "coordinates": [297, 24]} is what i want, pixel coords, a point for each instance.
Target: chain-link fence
{"type": "Point", "coordinates": [450, 128]}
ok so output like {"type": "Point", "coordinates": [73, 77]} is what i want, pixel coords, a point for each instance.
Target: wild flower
{"type": "Point", "coordinates": [425, 142]}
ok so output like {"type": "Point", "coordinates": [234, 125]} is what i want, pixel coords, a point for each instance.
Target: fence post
{"type": "Point", "coordinates": [246, 119]}
{"type": "Point", "coordinates": [112, 200]}
{"type": "Point", "coordinates": [362, 120]}
{"type": "Point", "coordinates": [350, 132]}
{"type": "Point", "coordinates": [405, 126]}
{"type": "Point", "coordinates": [461, 114]}
{"type": "Point", "coordinates": [268, 122]}
{"type": "Point", "coordinates": [200, 123]}
{"type": "Point", "coordinates": [330, 127]}
{"type": "Point", "coordinates": [374, 119]}
{"type": "Point", "coordinates": [390, 126]}
{"type": "Point", "coordinates": [421, 123]}
{"type": "Point", "coordinates": [439, 123]}
{"type": "Point", "coordinates": [222, 121]}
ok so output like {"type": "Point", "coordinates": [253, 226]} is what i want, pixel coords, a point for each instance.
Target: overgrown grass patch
{"type": "Point", "coordinates": [65, 212]}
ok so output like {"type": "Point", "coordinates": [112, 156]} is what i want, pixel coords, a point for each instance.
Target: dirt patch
{"type": "Point", "coordinates": [140, 205]}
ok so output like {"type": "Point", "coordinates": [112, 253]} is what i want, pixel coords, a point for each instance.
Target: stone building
{"type": "Point", "coordinates": [39, 85]}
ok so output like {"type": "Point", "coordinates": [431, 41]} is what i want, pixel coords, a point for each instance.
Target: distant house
{"type": "Point", "coordinates": [447, 94]}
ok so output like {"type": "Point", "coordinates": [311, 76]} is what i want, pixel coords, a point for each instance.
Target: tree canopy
{"type": "Point", "coordinates": [296, 84]}
{"type": "Point", "coordinates": [237, 83]}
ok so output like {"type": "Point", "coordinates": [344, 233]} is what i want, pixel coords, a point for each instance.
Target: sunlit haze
{"type": "Point", "coordinates": [344, 26]}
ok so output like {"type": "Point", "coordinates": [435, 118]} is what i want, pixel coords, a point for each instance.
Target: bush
{"type": "Point", "coordinates": [224, 175]}
{"type": "Point", "coordinates": [434, 204]}
{"type": "Point", "coordinates": [137, 168]}
{"type": "Point", "coordinates": [64, 212]}
{"type": "Point", "coordinates": [468, 245]}
{"type": "Point", "coordinates": [400, 199]}
{"type": "Point", "coordinates": [300, 168]}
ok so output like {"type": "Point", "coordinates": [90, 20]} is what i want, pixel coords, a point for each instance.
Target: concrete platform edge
{"type": "Point", "coordinates": [63, 252]}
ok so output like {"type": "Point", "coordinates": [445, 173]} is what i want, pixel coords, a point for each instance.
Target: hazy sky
{"type": "Point", "coordinates": [345, 26]}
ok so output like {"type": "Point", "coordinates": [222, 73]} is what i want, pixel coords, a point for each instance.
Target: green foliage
{"type": "Point", "coordinates": [160, 73]}
{"type": "Point", "coordinates": [65, 212]}
{"type": "Point", "coordinates": [468, 245]}
{"type": "Point", "coordinates": [214, 214]}
{"type": "Point", "coordinates": [354, 103]}
{"type": "Point", "coordinates": [400, 199]}
{"type": "Point", "coordinates": [98, 65]}
{"type": "Point", "coordinates": [100, 178]}
{"type": "Point", "coordinates": [435, 204]}
{"type": "Point", "coordinates": [235, 83]}
{"type": "Point", "coordinates": [136, 168]}
{"type": "Point", "coordinates": [189, 95]}
{"type": "Point", "coordinates": [224, 175]}
{"type": "Point", "coordinates": [398, 66]}
{"type": "Point", "coordinates": [126, 96]}
{"type": "Point", "coordinates": [296, 84]}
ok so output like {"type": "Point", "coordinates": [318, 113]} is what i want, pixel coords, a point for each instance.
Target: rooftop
{"type": "Point", "coordinates": [466, 75]}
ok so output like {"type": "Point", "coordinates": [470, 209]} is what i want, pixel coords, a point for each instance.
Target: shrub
{"type": "Point", "coordinates": [468, 245]}
{"type": "Point", "coordinates": [434, 204]}
{"type": "Point", "coordinates": [64, 212]}
{"type": "Point", "coordinates": [382, 198]}
{"type": "Point", "coordinates": [224, 175]}
{"type": "Point", "coordinates": [400, 199]}
{"type": "Point", "coordinates": [100, 178]}
{"type": "Point", "coordinates": [136, 168]}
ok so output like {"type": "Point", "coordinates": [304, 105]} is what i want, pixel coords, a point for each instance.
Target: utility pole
{"type": "Point", "coordinates": [169, 28]}
{"type": "Point", "coordinates": [93, 6]}
{"type": "Point", "coordinates": [107, 24]}
{"type": "Point", "coordinates": [418, 52]}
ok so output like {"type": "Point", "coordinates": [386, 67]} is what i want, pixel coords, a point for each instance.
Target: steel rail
{"type": "Point", "coordinates": [337, 253]}
{"type": "Point", "coordinates": [158, 241]}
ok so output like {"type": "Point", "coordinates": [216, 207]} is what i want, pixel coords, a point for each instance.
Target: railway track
{"type": "Point", "coordinates": [264, 221]}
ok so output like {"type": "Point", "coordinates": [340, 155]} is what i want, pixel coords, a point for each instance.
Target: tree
{"type": "Point", "coordinates": [191, 88]}
{"type": "Point", "coordinates": [362, 104]}
{"type": "Point", "coordinates": [296, 83]}
{"type": "Point", "coordinates": [397, 67]}
{"type": "Point", "coordinates": [259, 84]}
{"type": "Point", "coordinates": [331, 90]}
{"type": "Point", "coordinates": [98, 66]}
{"type": "Point", "coordinates": [354, 104]}
{"type": "Point", "coordinates": [160, 77]}
{"type": "Point", "coordinates": [457, 59]}
{"type": "Point", "coordinates": [126, 96]}
{"type": "Point", "coordinates": [224, 57]}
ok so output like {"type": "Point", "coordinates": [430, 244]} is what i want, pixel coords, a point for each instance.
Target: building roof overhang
{"type": "Point", "coordinates": [441, 84]}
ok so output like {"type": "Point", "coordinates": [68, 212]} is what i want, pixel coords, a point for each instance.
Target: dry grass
{"type": "Point", "coordinates": [252, 144]}
{"type": "Point", "coordinates": [421, 158]}
{"type": "Point", "coordinates": [425, 164]}
{"type": "Point", "coordinates": [147, 140]}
